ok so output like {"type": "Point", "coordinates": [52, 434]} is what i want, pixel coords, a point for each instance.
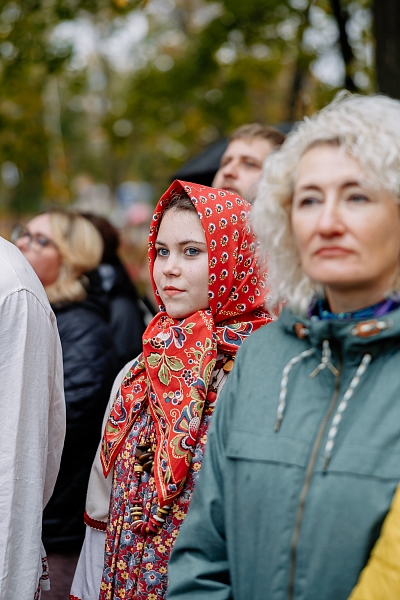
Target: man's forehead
{"type": "Point", "coordinates": [256, 147]}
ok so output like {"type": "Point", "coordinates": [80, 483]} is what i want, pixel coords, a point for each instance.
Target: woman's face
{"type": "Point", "coordinates": [44, 258]}
{"type": "Point", "coordinates": [181, 266]}
{"type": "Point", "coordinates": [347, 234]}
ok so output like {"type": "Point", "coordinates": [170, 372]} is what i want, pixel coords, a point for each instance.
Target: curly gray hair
{"type": "Point", "coordinates": [368, 129]}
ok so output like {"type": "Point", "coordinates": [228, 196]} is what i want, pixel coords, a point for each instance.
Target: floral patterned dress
{"type": "Point", "coordinates": [136, 565]}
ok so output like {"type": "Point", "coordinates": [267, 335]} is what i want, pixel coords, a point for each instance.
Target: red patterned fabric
{"type": "Point", "coordinates": [179, 355]}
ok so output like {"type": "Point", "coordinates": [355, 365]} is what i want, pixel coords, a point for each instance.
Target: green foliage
{"type": "Point", "coordinates": [208, 67]}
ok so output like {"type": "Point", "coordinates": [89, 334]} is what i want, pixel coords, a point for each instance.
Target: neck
{"type": "Point", "coordinates": [347, 303]}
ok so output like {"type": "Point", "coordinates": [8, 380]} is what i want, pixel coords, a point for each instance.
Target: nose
{"type": "Point", "coordinates": [330, 222]}
{"type": "Point", "coordinates": [23, 243]}
{"type": "Point", "coordinates": [230, 169]}
{"type": "Point", "coordinates": [171, 266]}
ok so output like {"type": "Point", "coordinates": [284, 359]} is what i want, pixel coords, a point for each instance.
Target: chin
{"type": "Point", "coordinates": [176, 313]}
{"type": "Point", "coordinates": [334, 277]}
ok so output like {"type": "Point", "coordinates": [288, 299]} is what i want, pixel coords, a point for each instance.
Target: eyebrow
{"type": "Point", "coordinates": [182, 243]}
{"type": "Point", "coordinates": [317, 187]}
{"type": "Point", "coordinates": [245, 156]}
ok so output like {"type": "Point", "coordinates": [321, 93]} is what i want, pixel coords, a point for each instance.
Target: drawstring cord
{"type": "Point", "coordinates": [284, 382]}
{"type": "Point", "coordinates": [324, 364]}
{"type": "Point", "coordinates": [325, 361]}
{"type": "Point", "coordinates": [366, 359]}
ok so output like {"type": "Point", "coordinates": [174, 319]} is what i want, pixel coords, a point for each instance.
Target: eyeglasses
{"type": "Point", "coordinates": [37, 241]}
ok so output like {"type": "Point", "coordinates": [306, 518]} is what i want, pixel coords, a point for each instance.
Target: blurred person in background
{"type": "Point", "coordinates": [205, 275]}
{"type": "Point", "coordinates": [303, 454]}
{"type": "Point", "coordinates": [128, 313]}
{"type": "Point", "coordinates": [242, 162]}
{"type": "Point", "coordinates": [66, 250]}
{"type": "Point", "coordinates": [32, 415]}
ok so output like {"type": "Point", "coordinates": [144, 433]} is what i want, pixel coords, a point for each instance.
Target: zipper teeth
{"type": "Point", "coordinates": [307, 482]}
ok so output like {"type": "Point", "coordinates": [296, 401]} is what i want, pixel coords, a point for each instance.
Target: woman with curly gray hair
{"type": "Point", "coordinates": [303, 456]}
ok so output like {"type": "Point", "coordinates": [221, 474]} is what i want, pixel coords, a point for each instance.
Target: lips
{"type": "Point", "coordinates": [333, 251]}
{"type": "Point", "coordinates": [172, 291]}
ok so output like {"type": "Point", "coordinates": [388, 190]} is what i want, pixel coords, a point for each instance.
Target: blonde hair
{"type": "Point", "coordinates": [81, 249]}
{"type": "Point", "coordinates": [368, 129]}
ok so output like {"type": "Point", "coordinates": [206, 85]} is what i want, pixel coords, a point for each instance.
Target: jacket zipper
{"type": "Point", "coordinates": [306, 486]}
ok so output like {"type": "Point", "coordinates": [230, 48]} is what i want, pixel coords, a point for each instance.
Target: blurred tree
{"type": "Point", "coordinates": [342, 17]}
{"type": "Point", "coordinates": [30, 105]}
{"type": "Point", "coordinates": [129, 89]}
{"type": "Point", "coordinates": [387, 27]}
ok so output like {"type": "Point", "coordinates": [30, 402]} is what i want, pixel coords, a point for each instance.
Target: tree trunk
{"type": "Point", "coordinates": [387, 28]}
{"type": "Point", "coordinates": [342, 17]}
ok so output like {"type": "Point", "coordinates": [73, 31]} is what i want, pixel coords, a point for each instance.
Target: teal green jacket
{"type": "Point", "coordinates": [294, 513]}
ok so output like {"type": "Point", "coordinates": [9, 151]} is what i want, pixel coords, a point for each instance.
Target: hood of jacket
{"type": "Point", "coordinates": [350, 337]}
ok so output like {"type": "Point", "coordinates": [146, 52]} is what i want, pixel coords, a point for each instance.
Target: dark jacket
{"type": "Point", "coordinates": [272, 517]}
{"type": "Point", "coordinates": [127, 311]}
{"type": "Point", "coordinates": [89, 370]}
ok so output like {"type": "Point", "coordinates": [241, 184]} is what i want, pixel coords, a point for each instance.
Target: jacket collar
{"type": "Point", "coordinates": [353, 336]}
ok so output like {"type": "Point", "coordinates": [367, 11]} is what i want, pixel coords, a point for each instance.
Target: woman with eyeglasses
{"type": "Point", "coordinates": [63, 248]}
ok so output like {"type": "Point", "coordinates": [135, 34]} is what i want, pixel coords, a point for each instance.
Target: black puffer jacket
{"type": "Point", "coordinates": [127, 311]}
{"type": "Point", "coordinates": [89, 371]}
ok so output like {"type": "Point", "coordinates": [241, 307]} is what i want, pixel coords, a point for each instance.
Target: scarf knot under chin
{"type": "Point", "coordinates": [172, 377]}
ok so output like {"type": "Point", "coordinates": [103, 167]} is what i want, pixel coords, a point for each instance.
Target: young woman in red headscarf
{"type": "Point", "coordinates": [203, 264]}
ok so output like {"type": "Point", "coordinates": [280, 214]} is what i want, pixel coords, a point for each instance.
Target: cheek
{"type": "Point", "coordinates": [156, 273]}
{"type": "Point", "coordinates": [379, 233]}
{"type": "Point", "coordinates": [217, 182]}
{"type": "Point", "coordinates": [34, 260]}
{"type": "Point", "coordinates": [49, 269]}
{"type": "Point", "coordinates": [201, 278]}
{"type": "Point", "coordinates": [386, 245]}
{"type": "Point", "coordinates": [300, 230]}
{"type": "Point", "coordinates": [250, 175]}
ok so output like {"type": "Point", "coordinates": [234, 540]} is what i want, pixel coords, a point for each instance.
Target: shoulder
{"type": "Point", "coordinates": [17, 275]}
{"type": "Point", "coordinates": [262, 357]}
{"type": "Point", "coordinates": [266, 340]}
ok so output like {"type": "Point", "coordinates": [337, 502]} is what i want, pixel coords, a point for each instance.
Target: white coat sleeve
{"type": "Point", "coordinates": [32, 417]}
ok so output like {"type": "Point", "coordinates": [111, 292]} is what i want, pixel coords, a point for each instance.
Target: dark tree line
{"type": "Point", "coordinates": [387, 35]}
{"type": "Point", "coordinates": [386, 25]}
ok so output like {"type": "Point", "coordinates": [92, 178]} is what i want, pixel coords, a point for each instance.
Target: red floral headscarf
{"type": "Point", "coordinates": [174, 371]}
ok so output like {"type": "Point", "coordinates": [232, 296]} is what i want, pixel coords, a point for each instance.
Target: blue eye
{"type": "Point", "coordinates": [162, 252]}
{"type": "Point", "coordinates": [192, 251]}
